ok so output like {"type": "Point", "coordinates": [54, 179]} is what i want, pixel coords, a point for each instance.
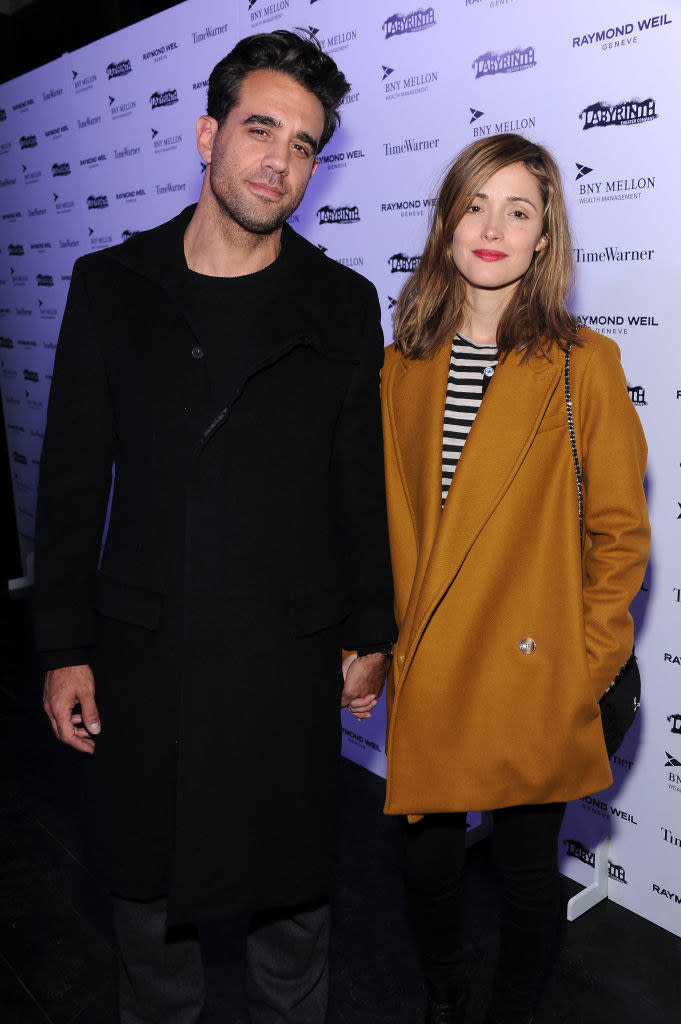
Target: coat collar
{"type": "Point", "coordinates": [500, 437]}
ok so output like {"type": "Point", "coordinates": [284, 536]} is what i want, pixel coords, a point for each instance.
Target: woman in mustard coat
{"type": "Point", "coordinates": [511, 627]}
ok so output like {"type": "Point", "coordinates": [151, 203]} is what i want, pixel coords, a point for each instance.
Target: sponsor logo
{"type": "Point", "coordinates": [637, 394]}
{"type": "Point", "coordinates": [401, 24]}
{"type": "Point", "coordinates": [82, 83]}
{"type": "Point", "coordinates": [675, 726]}
{"type": "Point", "coordinates": [401, 264]}
{"type": "Point", "coordinates": [617, 873]}
{"type": "Point", "coordinates": [267, 11]}
{"type": "Point", "coordinates": [93, 161]}
{"type": "Point", "coordinates": [5, 182]}
{"type": "Point", "coordinates": [612, 254]}
{"type": "Point", "coordinates": [667, 893]}
{"type": "Point", "coordinates": [516, 124]}
{"type": "Point", "coordinates": [621, 35]}
{"type": "Point", "coordinates": [5, 311]}
{"type": "Point", "coordinates": [88, 122]}
{"type": "Point", "coordinates": [17, 428]}
{"type": "Point", "coordinates": [28, 142]}
{"type": "Point", "coordinates": [160, 52]}
{"type": "Point", "coordinates": [46, 312]}
{"type": "Point", "coordinates": [31, 375]}
{"type": "Point", "coordinates": [44, 280]}
{"type": "Point", "coordinates": [3, 114]}
{"type": "Point", "coordinates": [27, 344]}
{"type": "Point", "coordinates": [61, 170]}
{"type": "Point", "coordinates": [334, 161]}
{"type": "Point", "coordinates": [166, 144]}
{"type": "Point", "coordinates": [673, 659]}
{"type": "Point", "coordinates": [613, 189]}
{"type": "Point", "coordinates": [162, 190]}
{"type": "Point", "coordinates": [122, 154]}
{"type": "Point", "coordinates": [209, 32]}
{"type": "Point", "coordinates": [503, 63]}
{"type": "Point", "coordinates": [671, 761]}
{"type": "Point", "coordinates": [603, 810]}
{"type": "Point", "coordinates": [350, 97]}
{"type": "Point", "coordinates": [669, 836]}
{"type": "Point", "coordinates": [97, 202]}
{"type": "Point", "coordinates": [20, 458]}
{"type": "Point", "coordinates": [5, 148]}
{"type": "Point", "coordinates": [118, 110]}
{"type": "Point", "coordinates": [52, 94]}
{"type": "Point", "coordinates": [409, 146]}
{"type": "Point", "coordinates": [31, 177]}
{"type": "Point", "coordinates": [360, 741]}
{"type": "Point", "coordinates": [337, 42]}
{"type": "Point", "coordinates": [62, 205]}
{"type": "Point", "coordinates": [131, 196]}
{"type": "Point", "coordinates": [338, 215]}
{"type": "Point", "coordinates": [350, 261]}
{"type": "Point", "coordinates": [56, 133]}
{"type": "Point", "coordinates": [409, 207]}
{"type": "Point", "coordinates": [203, 84]}
{"type": "Point", "coordinates": [6, 343]}
{"type": "Point", "coordinates": [573, 848]}
{"type": "Point", "coordinates": [603, 115]}
{"type": "Point", "coordinates": [409, 85]}
{"type": "Point", "coordinates": [22, 106]}
{"type": "Point", "coordinates": [163, 99]}
{"type": "Point", "coordinates": [13, 215]}
{"type": "Point", "coordinates": [40, 246]}
{"type": "Point", "coordinates": [99, 241]}
{"type": "Point", "coordinates": [118, 68]}
{"type": "Point", "coordinates": [125, 235]}
{"type": "Point", "coordinates": [36, 211]}
{"type": "Point", "coordinates": [616, 323]}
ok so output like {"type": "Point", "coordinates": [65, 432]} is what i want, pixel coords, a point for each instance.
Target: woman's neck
{"type": "Point", "coordinates": [484, 309]}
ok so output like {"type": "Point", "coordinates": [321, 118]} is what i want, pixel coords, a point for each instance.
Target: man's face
{"type": "Point", "coordinates": [262, 158]}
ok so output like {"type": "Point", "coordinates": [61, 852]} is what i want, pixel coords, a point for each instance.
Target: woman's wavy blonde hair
{"type": "Point", "coordinates": [432, 304]}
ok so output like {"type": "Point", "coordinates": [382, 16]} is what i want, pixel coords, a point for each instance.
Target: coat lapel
{"type": "Point", "coordinates": [500, 437]}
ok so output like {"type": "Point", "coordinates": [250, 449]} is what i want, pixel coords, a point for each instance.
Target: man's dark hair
{"type": "Point", "coordinates": [286, 52]}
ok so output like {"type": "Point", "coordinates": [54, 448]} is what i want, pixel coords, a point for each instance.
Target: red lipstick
{"type": "Point", "coordinates": [489, 255]}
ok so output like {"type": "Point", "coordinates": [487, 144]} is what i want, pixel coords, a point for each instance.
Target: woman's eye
{"type": "Point", "coordinates": [520, 215]}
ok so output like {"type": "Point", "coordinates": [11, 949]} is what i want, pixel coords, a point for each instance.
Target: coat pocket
{"type": "Point", "coordinates": [311, 611]}
{"type": "Point", "coordinates": [127, 602]}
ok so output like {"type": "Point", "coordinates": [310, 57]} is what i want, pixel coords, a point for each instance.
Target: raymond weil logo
{"type": "Point", "coordinates": [159, 53]}
{"type": "Point", "coordinates": [57, 132]}
{"type": "Point", "coordinates": [607, 190]}
{"type": "Point", "coordinates": [131, 195]}
{"type": "Point", "coordinates": [673, 897]}
{"type": "Point", "coordinates": [396, 86]}
{"type": "Point", "coordinates": [61, 170]}
{"type": "Point", "coordinates": [604, 810]}
{"type": "Point", "coordinates": [261, 11]}
{"type": "Point", "coordinates": [96, 160]}
{"type": "Point", "coordinates": [7, 182]}
{"type": "Point", "coordinates": [613, 254]}
{"type": "Point", "coordinates": [409, 206]}
{"type": "Point", "coordinates": [117, 69]}
{"type": "Point", "coordinates": [118, 110]}
{"type": "Point", "coordinates": [334, 161]}
{"type": "Point", "coordinates": [97, 202]}
{"type": "Point", "coordinates": [209, 32]}
{"type": "Point", "coordinates": [604, 115]}
{"type": "Point", "coordinates": [519, 59]}
{"type": "Point", "coordinates": [616, 36]}
{"type": "Point", "coordinates": [402, 24]}
{"type": "Point", "coordinates": [399, 263]}
{"type": "Point", "coordinates": [338, 215]}
{"type": "Point", "coordinates": [672, 659]}
{"type": "Point", "coordinates": [23, 106]}
{"type": "Point", "coordinates": [201, 84]}
{"type": "Point", "coordinates": [573, 848]}
{"type": "Point", "coordinates": [163, 99]}
{"type": "Point", "coordinates": [28, 142]}
{"type": "Point", "coordinates": [81, 83]}
{"type": "Point", "coordinates": [40, 246]}
{"type": "Point", "coordinates": [409, 145]}
{"type": "Point", "coordinates": [617, 323]}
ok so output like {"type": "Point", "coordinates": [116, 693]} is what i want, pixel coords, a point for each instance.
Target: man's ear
{"type": "Point", "coordinates": [206, 133]}
{"type": "Point", "coordinates": [315, 165]}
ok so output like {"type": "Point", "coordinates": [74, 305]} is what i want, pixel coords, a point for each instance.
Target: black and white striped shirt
{"type": "Point", "coordinates": [469, 365]}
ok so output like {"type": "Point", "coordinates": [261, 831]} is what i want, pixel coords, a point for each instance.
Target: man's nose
{"type": "Point", "coordinates": [276, 156]}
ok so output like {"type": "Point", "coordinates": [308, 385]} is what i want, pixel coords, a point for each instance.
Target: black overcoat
{"type": "Point", "coordinates": [246, 543]}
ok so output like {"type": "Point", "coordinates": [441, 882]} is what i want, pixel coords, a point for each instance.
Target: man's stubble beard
{"type": "Point", "coordinates": [236, 206]}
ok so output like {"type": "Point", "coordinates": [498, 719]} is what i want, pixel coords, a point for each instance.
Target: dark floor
{"type": "Point", "coordinates": [56, 959]}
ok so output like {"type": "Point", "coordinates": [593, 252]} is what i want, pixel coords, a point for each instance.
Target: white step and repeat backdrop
{"type": "Point", "coordinates": [100, 144]}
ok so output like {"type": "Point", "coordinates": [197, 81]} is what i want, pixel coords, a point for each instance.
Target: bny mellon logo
{"type": "Point", "coordinates": [387, 72]}
{"type": "Point", "coordinates": [582, 170]}
{"type": "Point", "coordinates": [475, 114]}
{"type": "Point", "coordinates": [671, 761]}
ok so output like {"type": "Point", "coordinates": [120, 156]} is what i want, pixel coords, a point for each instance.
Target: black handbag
{"type": "Point", "coordinates": [622, 699]}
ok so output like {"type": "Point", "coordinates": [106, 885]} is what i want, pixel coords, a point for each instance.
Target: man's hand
{"type": "Point", "coordinates": [64, 689]}
{"type": "Point", "coordinates": [364, 680]}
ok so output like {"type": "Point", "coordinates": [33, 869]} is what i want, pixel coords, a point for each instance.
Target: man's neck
{"type": "Point", "coordinates": [217, 246]}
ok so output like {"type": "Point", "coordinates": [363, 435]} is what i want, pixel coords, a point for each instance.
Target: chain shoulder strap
{"type": "Point", "coordinates": [573, 443]}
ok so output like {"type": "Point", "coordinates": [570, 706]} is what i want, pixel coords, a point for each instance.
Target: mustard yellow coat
{"type": "Point", "coordinates": [474, 723]}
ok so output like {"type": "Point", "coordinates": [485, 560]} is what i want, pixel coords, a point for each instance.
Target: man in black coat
{"type": "Point", "coordinates": [216, 380]}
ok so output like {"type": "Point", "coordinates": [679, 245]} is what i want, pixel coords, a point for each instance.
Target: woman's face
{"type": "Point", "coordinates": [497, 237]}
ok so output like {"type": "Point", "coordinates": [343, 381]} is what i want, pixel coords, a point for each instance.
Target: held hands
{"type": "Point", "coordinates": [364, 680]}
{"type": "Point", "coordinates": [64, 689]}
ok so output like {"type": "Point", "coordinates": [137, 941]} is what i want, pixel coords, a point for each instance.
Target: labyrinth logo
{"type": "Point", "coordinates": [338, 215]}
{"type": "Point", "coordinates": [44, 280]}
{"type": "Point", "coordinates": [15, 249]}
{"type": "Point", "coordinates": [28, 142]}
{"type": "Point", "coordinates": [97, 202]}
{"type": "Point", "coordinates": [209, 32]}
{"type": "Point", "coordinates": [6, 343]}
{"type": "Point", "coordinates": [5, 182]}
{"type": "Point", "coordinates": [603, 115]}
{"type": "Point", "coordinates": [401, 24]}
{"type": "Point", "coordinates": [163, 99]}
{"type": "Point", "coordinates": [409, 85]}
{"type": "Point", "coordinates": [125, 235]}
{"type": "Point", "coordinates": [117, 70]}
{"type": "Point", "coordinates": [401, 264]}
{"type": "Point", "coordinates": [617, 873]}
{"type": "Point", "coordinates": [675, 726]}
{"type": "Point", "coordinates": [502, 63]}
{"type": "Point", "coordinates": [61, 170]}
{"type": "Point", "coordinates": [32, 376]}
{"type": "Point", "coordinates": [573, 848]}
{"type": "Point", "coordinates": [3, 114]}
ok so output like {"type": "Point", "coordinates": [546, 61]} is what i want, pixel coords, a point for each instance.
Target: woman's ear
{"type": "Point", "coordinates": [541, 244]}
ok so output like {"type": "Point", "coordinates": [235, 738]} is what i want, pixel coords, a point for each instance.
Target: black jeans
{"type": "Point", "coordinates": [525, 844]}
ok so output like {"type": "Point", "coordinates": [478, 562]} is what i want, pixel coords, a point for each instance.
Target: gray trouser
{"type": "Point", "coordinates": [161, 975]}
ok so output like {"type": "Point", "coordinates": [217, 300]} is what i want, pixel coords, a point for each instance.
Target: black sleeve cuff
{"type": "Point", "coordinates": [64, 658]}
